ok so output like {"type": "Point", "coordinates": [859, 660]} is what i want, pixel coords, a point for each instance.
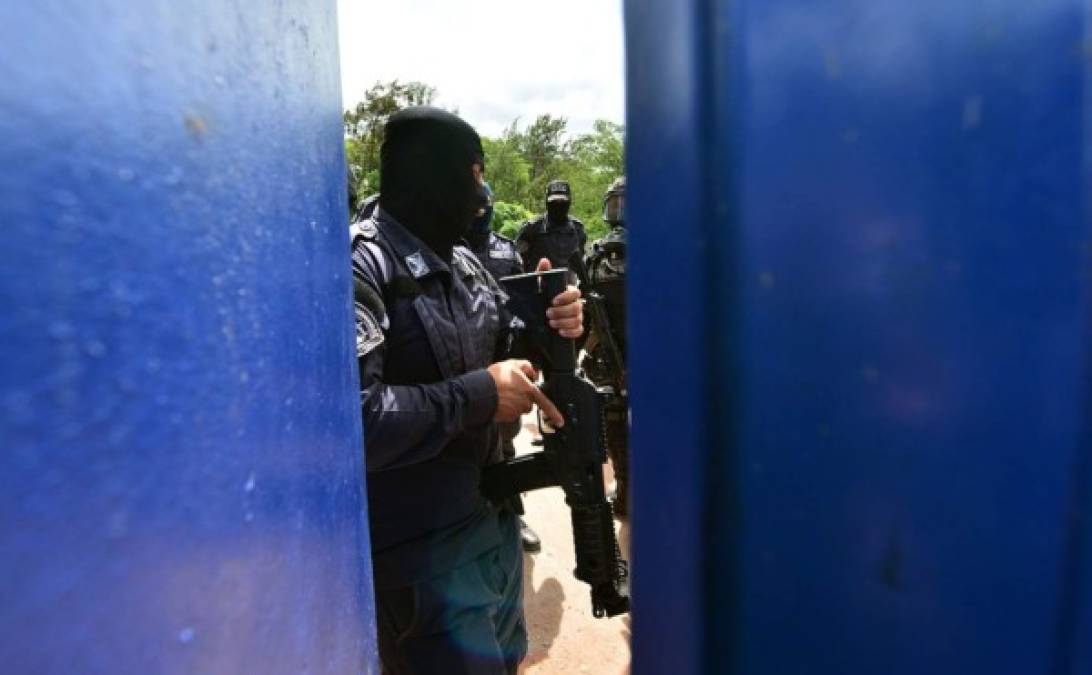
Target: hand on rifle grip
{"type": "Point", "coordinates": [566, 315]}
{"type": "Point", "coordinates": [517, 392]}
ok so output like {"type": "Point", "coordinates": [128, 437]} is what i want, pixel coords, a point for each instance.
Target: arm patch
{"type": "Point", "coordinates": [369, 334]}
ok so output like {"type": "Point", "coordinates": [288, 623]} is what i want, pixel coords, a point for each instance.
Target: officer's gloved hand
{"type": "Point", "coordinates": [567, 314]}
{"type": "Point", "coordinates": [517, 392]}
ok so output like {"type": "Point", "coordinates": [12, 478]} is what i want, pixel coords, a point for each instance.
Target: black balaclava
{"type": "Point", "coordinates": [558, 211]}
{"type": "Point", "coordinates": [483, 223]}
{"type": "Point", "coordinates": [425, 175]}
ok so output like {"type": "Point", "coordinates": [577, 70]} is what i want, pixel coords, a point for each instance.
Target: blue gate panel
{"type": "Point", "coordinates": [182, 477]}
{"type": "Point", "coordinates": [669, 373]}
{"type": "Point", "coordinates": [887, 430]}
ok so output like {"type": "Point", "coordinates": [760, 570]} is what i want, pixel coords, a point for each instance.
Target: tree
{"type": "Point", "coordinates": [508, 173]}
{"type": "Point", "coordinates": [542, 146]}
{"type": "Point", "coordinates": [591, 162]}
{"type": "Point", "coordinates": [603, 149]}
{"type": "Point", "coordinates": [383, 100]}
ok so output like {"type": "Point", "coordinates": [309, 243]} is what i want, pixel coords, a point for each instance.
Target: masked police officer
{"type": "Point", "coordinates": [553, 235]}
{"type": "Point", "coordinates": [432, 335]}
{"type": "Point", "coordinates": [604, 362]}
{"type": "Point", "coordinates": [496, 252]}
{"type": "Point", "coordinates": [499, 256]}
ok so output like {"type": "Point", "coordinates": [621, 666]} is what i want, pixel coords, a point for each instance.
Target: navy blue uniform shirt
{"type": "Point", "coordinates": [426, 331]}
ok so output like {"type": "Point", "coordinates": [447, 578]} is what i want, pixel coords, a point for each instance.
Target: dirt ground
{"type": "Point", "coordinates": [564, 638]}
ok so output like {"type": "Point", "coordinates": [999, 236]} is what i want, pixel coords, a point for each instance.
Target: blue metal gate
{"type": "Point", "coordinates": [181, 480]}
{"type": "Point", "coordinates": [861, 364]}
{"type": "Point", "coordinates": [863, 445]}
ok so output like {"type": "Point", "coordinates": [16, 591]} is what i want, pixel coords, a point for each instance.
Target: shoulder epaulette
{"type": "Point", "coordinates": [527, 225]}
{"type": "Point", "coordinates": [363, 229]}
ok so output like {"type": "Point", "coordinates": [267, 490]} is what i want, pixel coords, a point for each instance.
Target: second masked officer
{"type": "Point", "coordinates": [433, 344]}
{"type": "Point", "coordinates": [499, 256]}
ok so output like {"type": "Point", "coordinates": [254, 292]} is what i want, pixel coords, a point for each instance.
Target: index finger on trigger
{"type": "Point", "coordinates": [529, 370]}
{"type": "Point", "coordinates": [548, 407]}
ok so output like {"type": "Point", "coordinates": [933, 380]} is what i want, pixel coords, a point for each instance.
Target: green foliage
{"type": "Point", "coordinates": [508, 173]}
{"type": "Point", "coordinates": [519, 163]}
{"type": "Point", "coordinates": [542, 146]}
{"type": "Point", "coordinates": [508, 217]}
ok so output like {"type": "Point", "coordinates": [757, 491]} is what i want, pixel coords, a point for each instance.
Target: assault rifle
{"type": "Point", "coordinates": [572, 456]}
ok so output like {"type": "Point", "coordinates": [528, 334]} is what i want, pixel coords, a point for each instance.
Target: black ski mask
{"type": "Point", "coordinates": [426, 175]}
{"type": "Point", "coordinates": [483, 223]}
{"type": "Point", "coordinates": [558, 211]}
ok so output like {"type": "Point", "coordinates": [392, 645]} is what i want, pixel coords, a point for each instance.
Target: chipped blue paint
{"type": "Point", "coordinates": [182, 479]}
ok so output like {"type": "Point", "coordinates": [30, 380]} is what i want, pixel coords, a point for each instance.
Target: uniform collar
{"type": "Point", "coordinates": [418, 258]}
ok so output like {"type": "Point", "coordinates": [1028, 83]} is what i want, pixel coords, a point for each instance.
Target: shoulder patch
{"type": "Point", "coordinates": [502, 249]}
{"type": "Point", "coordinates": [417, 265]}
{"type": "Point", "coordinates": [369, 335]}
{"type": "Point", "coordinates": [364, 229]}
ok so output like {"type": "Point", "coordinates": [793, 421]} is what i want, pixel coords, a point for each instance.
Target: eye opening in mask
{"type": "Point", "coordinates": [486, 194]}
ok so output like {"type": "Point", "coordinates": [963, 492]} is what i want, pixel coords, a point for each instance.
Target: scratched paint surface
{"type": "Point", "coordinates": [181, 478]}
{"type": "Point", "coordinates": [863, 445]}
{"type": "Point", "coordinates": [914, 273]}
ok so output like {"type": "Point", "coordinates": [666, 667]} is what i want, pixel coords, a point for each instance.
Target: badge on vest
{"type": "Point", "coordinates": [417, 265]}
{"type": "Point", "coordinates": [502, 254]}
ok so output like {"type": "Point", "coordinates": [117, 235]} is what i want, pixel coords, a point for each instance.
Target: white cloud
{"type": "Point", "coordinates": [494, 60]}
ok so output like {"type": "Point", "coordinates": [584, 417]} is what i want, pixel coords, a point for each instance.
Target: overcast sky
{"type": "Point", "coordinates": [491, 59]}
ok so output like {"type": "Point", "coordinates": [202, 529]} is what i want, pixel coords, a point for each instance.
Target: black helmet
{"type": "Point", "coordinates": [614, 203]}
